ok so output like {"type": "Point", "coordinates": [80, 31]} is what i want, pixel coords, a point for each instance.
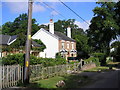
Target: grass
{"type": "Point", "coordinates": [71, 81]}
{"type": "Point", "coordinates": [113, 63]}
{"type": "Point", "coordinates": [49, 83]}
{"type": "Point", "coordinates": [101, 68]}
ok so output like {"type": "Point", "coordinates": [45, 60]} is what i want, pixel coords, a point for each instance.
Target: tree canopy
{"type": "Point", "coordinates": [104, 27]}
{"type": "Point", "coordinates": [19, 27]}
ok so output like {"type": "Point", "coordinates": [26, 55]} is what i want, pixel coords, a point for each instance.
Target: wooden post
{"type": "Point", "coordinates": [28, 44]}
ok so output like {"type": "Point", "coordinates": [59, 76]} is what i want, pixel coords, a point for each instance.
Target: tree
{"type": "Point", "coordinates": [19, 25]}
{"type": "Point", "coordinates": [116, 52]}
{"type": "Point", "coordinates": [103, 27]}
{"type": "Point", "coordinates": [117, 10]}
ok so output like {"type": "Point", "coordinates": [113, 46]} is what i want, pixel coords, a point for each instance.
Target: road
{"type": "Point", "coordinates": [109, 79]}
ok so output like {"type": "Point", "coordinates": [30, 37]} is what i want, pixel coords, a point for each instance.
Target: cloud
{"type": "Point", "coordinates": [83, 25]}
{"type": "Point", "coordinates": [38, 8]}
{"type": "Point", "coordinates": [22, 7]}
{"type": "Point", "coordinates": [54, 13]}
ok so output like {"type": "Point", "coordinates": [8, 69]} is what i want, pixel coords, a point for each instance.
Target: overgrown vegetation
{"type": "Point", "coordinates": [93, 59]}
{"type": "Point", "coordinates": [101, 57]}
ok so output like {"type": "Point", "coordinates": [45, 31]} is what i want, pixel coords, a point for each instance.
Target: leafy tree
{"type": "Point", "coordinates": [103, 27]}
{"type": "Point", "coordinates": [116, 52]}
{"type": "Point", "coordinates": [19, 25]}
{"type": "Point", "coordinates": [117, 10]}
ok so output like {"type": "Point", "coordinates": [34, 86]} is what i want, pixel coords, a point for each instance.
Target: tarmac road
{"type": "Point", "coordinates": [104, 79]}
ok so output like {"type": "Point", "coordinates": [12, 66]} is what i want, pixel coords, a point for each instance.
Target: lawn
{"type": "Point", "coordinates": [71, 81]}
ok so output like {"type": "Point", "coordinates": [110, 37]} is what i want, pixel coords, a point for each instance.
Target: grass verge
{"type": "Point", "coordinates": [71, 81]}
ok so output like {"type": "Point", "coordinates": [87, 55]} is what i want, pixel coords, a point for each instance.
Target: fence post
{"type": "Point", "coordinates": [0, 77]}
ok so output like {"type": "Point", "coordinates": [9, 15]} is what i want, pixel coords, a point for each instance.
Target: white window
{"type": "Point", "coordinates": [68, 46]}
{"type": "Point", "coordinates": [63, 45]}
{"type": "Point", "coordinates": [72, 46]}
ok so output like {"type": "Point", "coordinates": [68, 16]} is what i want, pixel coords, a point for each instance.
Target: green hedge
{"type": "Point", "coordinates": [93, 59]}
{"type": "Point", "coordinates": [101, 56]}
{"type": "Point", "coordinates": [19, 59]}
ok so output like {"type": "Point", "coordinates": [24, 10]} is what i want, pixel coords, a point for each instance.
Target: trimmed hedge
{"type": "Point", "coordinates": [19, 59]}
{"type": "Point", "coordinates": [93, 59]}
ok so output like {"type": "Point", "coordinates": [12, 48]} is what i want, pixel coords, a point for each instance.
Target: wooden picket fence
{"type": "Point", "coordinates": [11, 75]}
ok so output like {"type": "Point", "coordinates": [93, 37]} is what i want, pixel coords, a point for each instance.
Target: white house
{"type": "Point", "coordinates": [56, 42]}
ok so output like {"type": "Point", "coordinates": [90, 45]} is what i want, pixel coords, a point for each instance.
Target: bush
{"type": "Point", "coordinates": [19, 59]}
{"type": "Point", "coordinates": [13, 59]}
{"type": "Point", "coordinates": [109, 59]}
{"type": "Point", "coordinates": [93, 59]}
{"type": "Point", "coordinates": [101, 56]}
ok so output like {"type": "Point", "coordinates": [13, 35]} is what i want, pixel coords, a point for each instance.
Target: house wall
{"type": "Point", "coordinates": [66, 43]}
{"type": "Point", "coordinates": [50, 42]}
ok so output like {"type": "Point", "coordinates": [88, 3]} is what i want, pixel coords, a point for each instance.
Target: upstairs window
{"type": "Point", "coordinates": [63, 45]}
{"type": "Point", "coordinates": [72, 46]}
{"type": "Point", "coordinates": [68, 46]}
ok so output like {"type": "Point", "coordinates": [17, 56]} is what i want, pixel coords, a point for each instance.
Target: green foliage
{"type": "Point", "coordinates": [93, 59]}
{"type": "Point", "coordinates": [116, 52]}
{"type": "Point", "coordinates": [58, 55]}
{"type": "Point", "coordinates": [103, 27]}
{"type": "Point", "coordinates": [13, 59]}
{"type": "Point", "coordinates": [19, 59]}
{"type": "Point", "coordinates": [109, 59]}
{"type": "Point", "coordinates": [51, 62]}
{"type": "Point", "coordinates": [101, 56]}
{"type": "Point", "coordinates": [19, 25]}
{"type": "Point", "coordinates": [41, 48]}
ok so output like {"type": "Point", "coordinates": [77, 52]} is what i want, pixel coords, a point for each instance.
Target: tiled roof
{"type": "Point", "coordinates": [58, 35]}
{"type": "Point", "coordinates": [63, 37]}
{"type": "Point", "coordinates": [6, 39]}
{"type": "Point", "coordinates": [35, 44]}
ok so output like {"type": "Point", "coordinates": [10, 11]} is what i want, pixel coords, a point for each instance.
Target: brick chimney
{"type": "Point", "coordinates": [51, 26]}
{"type": "Point", "coordinates": [69, 32]}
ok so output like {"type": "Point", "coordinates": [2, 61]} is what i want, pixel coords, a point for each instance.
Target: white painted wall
{"type": "Point", "coordinates": [51, 43]}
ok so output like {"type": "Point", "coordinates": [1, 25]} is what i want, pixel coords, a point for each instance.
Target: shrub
{"type": "Point", "coordinates": [19, 59]}
{"type": "Point", "coordinates": [109, 59]}
{"type": "Point", "coordinates": [13, 59]}
{"type": "Point", "coordinates": [93, 59]}
{"type": "Point", "coordinates": [101, 56]}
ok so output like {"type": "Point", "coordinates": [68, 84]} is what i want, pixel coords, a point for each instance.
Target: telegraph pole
{"type": "Point", "coordinates": [28, 45]}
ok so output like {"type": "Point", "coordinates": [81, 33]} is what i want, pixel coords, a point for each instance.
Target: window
{"type": "Point", "coordinates": [62, 44]}
{"type": "Point", "coordinates": [68, 46]}
{"type": "Point", "coordinates": [72, 46]}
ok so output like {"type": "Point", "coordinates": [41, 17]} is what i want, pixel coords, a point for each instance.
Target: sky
{"type": "Point", "coordinates": [42, 13]}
